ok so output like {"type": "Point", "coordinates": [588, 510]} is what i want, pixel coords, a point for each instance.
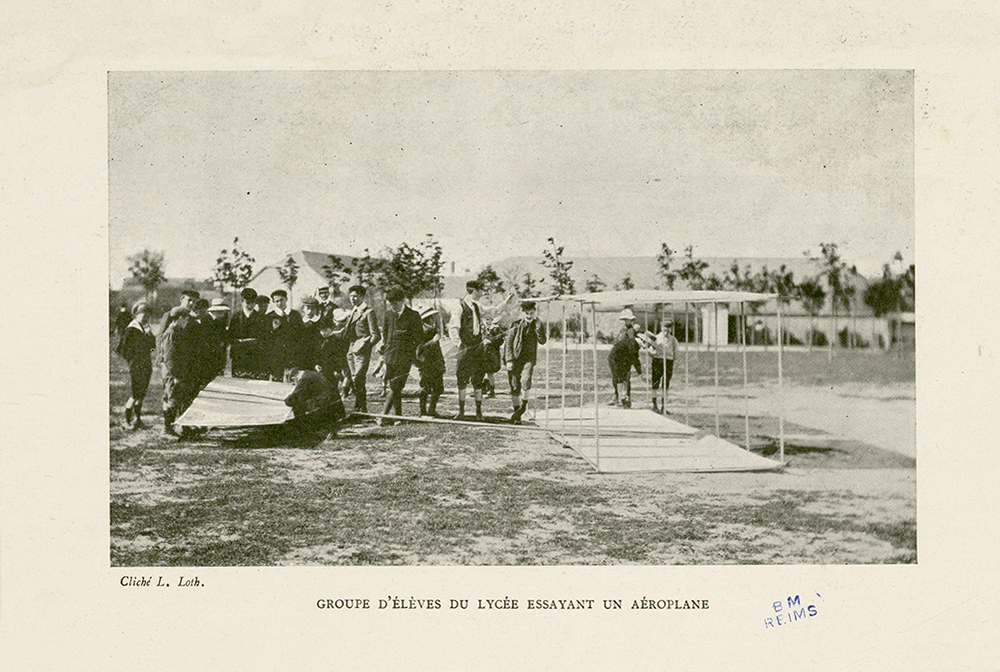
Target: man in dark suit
{"type": "Point", "coordinates": [404, 332]}
{"type": "Point", "coordinates": [362, 334]}
{"type": "Point", "coordinates": [243, 336]}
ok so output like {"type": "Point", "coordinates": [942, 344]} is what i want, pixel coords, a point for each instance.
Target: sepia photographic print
{"type": "Point", "coordinates": [579, 317]}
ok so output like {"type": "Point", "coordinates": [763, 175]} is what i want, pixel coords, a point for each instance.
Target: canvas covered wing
{"type": "Point", "coordinates": [238, 402]}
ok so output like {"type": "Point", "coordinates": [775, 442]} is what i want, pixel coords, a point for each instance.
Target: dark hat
{"type": "Point", "coordinates": [394, 294]}
{"type": "Point", "coordinates": [311, 301]}
{"type": "Point", "coordinates": [262, 300]}
{"type": "Point", "coordinates": [201, 304]}
{"type": "Point", "coordinates": [192, 293]}
{"type": "Point", "coordinates": [279, 292]}
{"type": "Point", "coordinates": [356, 286]}
{"type": "Point", "coordinates": [528, 305]}
{"type": "Point", "coordinates": [248, 294]}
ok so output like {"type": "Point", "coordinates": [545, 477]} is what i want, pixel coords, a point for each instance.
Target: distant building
{"type": "Point", "coordinates": [311, 276]}
{"type": "Point", "coordinates": [643, 273]}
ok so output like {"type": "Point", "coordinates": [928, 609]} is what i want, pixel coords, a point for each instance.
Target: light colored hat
{"type": "Point", "coordinates": [644, 339]}
{"type": "Point", "coordinates": [427, 313]}
{"type": "Point", "coordinates": [626, 315]}
{"type": "Point", "coordinates": [141, 306]}
{"type": "Point", "coordinates": [218, 306]}
{"type": "Point", "coordinates": [311, 301]}
{"type": "Point", "coordinates": [341, 315]}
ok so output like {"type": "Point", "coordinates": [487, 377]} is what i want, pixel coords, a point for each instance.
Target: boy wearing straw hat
{"type": "Point", "coordinates": [624, 356]}
{"type": "Point", "coordinates": [430, 363]}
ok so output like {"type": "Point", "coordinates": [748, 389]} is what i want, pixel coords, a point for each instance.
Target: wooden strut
{"type": "Point", "coordinates": [447, 421]}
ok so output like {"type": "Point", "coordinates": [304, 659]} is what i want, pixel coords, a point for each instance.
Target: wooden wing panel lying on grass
{"type": "Point", "coordinates": [238, 402]}
{"type": "Point", "coordinates": [641, 440]}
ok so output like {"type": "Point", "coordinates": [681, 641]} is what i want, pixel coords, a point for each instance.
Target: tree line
{"type": "Point", "coordinates": [416, 269]}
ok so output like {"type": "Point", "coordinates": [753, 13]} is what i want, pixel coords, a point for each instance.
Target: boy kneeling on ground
{"type": "Point", "coordinates": [314, 401]}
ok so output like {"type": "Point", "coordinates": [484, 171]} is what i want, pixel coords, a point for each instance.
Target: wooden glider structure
{"type": "Point", "coordinates": [615, 440]}
{"type": "Point", "coordinates": [611, 440]}
{"type": "Point", "coordinates": [238, 402]}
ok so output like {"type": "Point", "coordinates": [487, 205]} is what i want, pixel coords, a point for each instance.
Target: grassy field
{"type": "Point", "coordinates": [452, 495]}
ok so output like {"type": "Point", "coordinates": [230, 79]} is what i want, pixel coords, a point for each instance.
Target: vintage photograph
{"type": "Point", "coordinates": [582, 317]}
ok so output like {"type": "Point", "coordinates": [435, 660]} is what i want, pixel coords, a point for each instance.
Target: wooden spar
{"type": "Point", "coordinates": [687, 379]}
{"type": "Point", "coordinates": [597, 410]}
{"type": "Point", "coordinates": [715, 349]}
{"type": "Point", "coordinates": [781, 393]}
{"type": "Point", "coordinates": [565, 337]}
{"type": "Point", "coordinates": [548, 316]}
{"type": "Point", "coordinates": [746, 395]}
{"type": "Point", "coordinates": [450, 421]}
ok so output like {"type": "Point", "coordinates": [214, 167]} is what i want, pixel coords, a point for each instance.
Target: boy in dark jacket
{"type": "Point", "coordinates": [521, 352]}
{"type": "Point", "coordinates": [136, 345]}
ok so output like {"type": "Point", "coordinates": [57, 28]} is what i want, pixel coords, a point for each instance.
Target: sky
{"type": "Point", "coordinates": [763, 163]}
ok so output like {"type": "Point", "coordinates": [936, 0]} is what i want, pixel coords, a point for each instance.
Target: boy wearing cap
{"type": "Point", "coordinates": [204, 347]}
{"type": "Point", "coordinates": [520, 352]}
{"type": "Point", "coordinates": [624, 356]}
{"type": "Point", "coordinates": [309, 338]}
{"type": "Point", "coordinates": [216, 330]}
{"type": "Point", "coordinates": [362, 334]}
{"type": "Point", "coordinates": [664, 353]}
{"type": "Point", "coordinates": [284, 339]}
{"type": "Point", "coordinates": [326, 304]}
{"type": "Point", "coordinates": [404, 332]}
{"type": "Point", "coordinates": [243, 335]}
{"type": "Point", "coordinates": [177, 356]}
{"type": "Point", "coordinates": [430, 363]}
{"type": "Point", "coordinates": [136, 345]}
{"type": "Point", "coordinates": [331, 358]}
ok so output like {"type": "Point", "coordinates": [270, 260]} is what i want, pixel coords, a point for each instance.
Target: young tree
{"type": "Point", "coordinates": [414, 269]}
{"type": "Point", "coordinates": [528, 287]}
{"type": "Point", "coordinates": [337, 273]}
{"type": "Point", "coordinates": [233, 270]}
{"type": "Point", "coordinates": [835, 271]}
{"type": "Point", "coordinates": [595, 284]}
{"type": "Point", "coordinates": [626, 283]}
{"type": "Point", "coordinates": [664, 259]}
{"type": "Point", "coordinates": [147, 268]}
{"type": "Point", "coordinates": [289, 273]}
{"type": "Point", "coordinates": [558, 269]}
{"type": "Point", "coordinates": [491, 281]}
{"type": "Point", "coordinates": [692, 270]}
{"type": "Point", "coordinates": [893, 292]}
{"type": "Point", "coordinates": [812, 296]}
{"type": "Point", "coordinates": [511, 276]}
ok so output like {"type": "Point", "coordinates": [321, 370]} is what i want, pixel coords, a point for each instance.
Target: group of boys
{"type": "Point", "coordinates": [267, 340]}
{"type": "Point", "coordinates": [192, 347]}
{"type": "Point", "coordinates": [412, 338]}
